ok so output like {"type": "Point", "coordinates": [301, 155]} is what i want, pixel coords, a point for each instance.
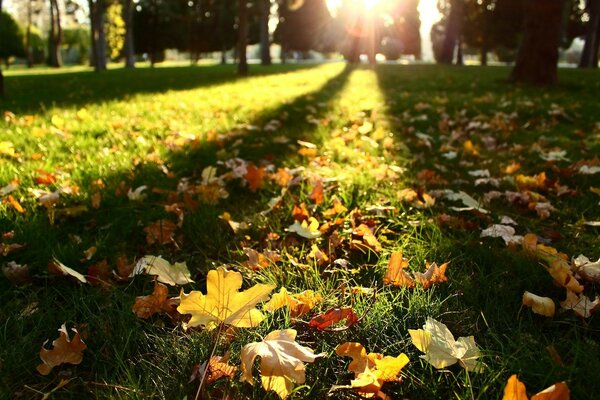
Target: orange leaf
{"type": "Point", "coordinates": [64, 351]}
{"type": "Point", "coordinates": [368, 238]}
{"type": "Point", "coordinates": [336, 209]}
{"type": "Point", "coordinates": [317, 195]}
{"type": "Point", "coordinates": [255, 177]}
{"type": "Point", "coordinates": [13, 202]}
{"type": "Point", "coordinates": [434, 274]}
{"type": "Point", "coordinates": [515, 389]}
{"type": "Point", "coordinates": [300, 213]}
{"type": "Point", "coordinates": [99, 273]}
{"type": "Point", "coordinates": [333, 316]}
{"type": "Point", "coordinates": [157, 302]}
{"type": "Point", "coordinates": [219, 367]}
{"type": "Point", "coordinates": [44, 178]}
{"type": "Point", "coordinates": [395, 274]}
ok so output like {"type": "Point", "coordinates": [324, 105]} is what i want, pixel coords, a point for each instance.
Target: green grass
{"type": "Point", "coordinates": [129, 135]}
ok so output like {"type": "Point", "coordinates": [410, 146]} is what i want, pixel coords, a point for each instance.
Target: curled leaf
{"type": "Point", "coordinates": [539, 305]}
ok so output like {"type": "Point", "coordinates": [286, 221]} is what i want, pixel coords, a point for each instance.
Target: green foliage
{"type": "Point", "coordinates": [77, 38]}
{"type": "Point", "coordinates": [11, 37]}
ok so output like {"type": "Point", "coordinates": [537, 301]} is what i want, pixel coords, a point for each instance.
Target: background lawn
{"type": "Point", "coordinates": [87, 139]}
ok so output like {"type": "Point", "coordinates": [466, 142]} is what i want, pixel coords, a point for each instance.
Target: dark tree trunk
{"type": "Point", "coordinates": [453, 31]}
{"type": "Point", "coordinates": [484, 56]}
{"type": "Point", "coordinates": [589, 56]}
{"type": "Point", "coordinates": [128, 48]}
{"type": "Point", "coordinates": [223, 56]}
{"type": "Point", "coordinates": [1, 84]}
{"type": "Point", "coordinates": [242, 37]}
{"type": "Point", "coordinates": [459, 53]}
{"type": "Point", "coordinates": [265, 42]}
{"type": "Point", "coordinates": [98, 35]}
{"type": "Point", "coordinates": [537, 60]}
{"type": "Point", "coordinates": [55, 38]}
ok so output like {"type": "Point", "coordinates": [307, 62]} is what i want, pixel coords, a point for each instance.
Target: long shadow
{"type": "Point", "coordinates": [33, 93]}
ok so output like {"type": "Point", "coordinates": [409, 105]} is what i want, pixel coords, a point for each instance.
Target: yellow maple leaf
{"type": "Point", "coordinates": [299, 304]}
{"type": "Point", "coordinates": [282, 361]}
{"type": "Point", "coordinates": [442, 350]}
{"type": "Point", "coordinates": [223, 302]}
{"type": "Point", "coordinates": [371, 370]}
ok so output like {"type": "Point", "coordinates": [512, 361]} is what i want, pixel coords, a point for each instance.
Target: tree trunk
{"type": "Point", "coordinates": [242, 37]}
{"type": "Point", "coordinates": [265, 42]}
{"type": "Point", "coordinates": [128, 48]}
{"type": "Point", "coordinates": [453, 31]}
{"type": "Point", "coordinates": [589, 56]}
{"type": "Point", "coordinates": [537, 60]}
{"type": "Point", "coordinates": [28, 35]}
{"type": "Point", "coordinates": [223, 56]}
{"type": "Point", "coordinates": [1, 84]}
{"type": "Point", "coordinates": [484, 56]}
{"type": "Point", "coordinates": [55, 38]}
{"type": "Point", "coordinates": [98, 35]}
{"type": "Point", "coordinates": [459, 53]}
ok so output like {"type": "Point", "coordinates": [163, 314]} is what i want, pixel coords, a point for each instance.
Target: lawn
{"type": "Point", "coordinates": [380, 158]}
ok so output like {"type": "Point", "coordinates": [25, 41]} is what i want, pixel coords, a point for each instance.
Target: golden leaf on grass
{"type": "Point", "coordinates": [368, 238]}
{"type": "Point", "coordinates": [515, 390]}
{"type": "Point", "coordinates": [299, 304]}
{"type": "Point", "coordinates": [396, 274]}
{"type": "Point", "coordinates": [307, 229]}
{"type": "Point", "coordinates": [336, 209]}
{"type": "Point", "coordinates": [282, 361]}
{"type": "Point", "coordinates": [317, 195]}
{"type": "Point", "coordinates": [371, 370]}
{"type": "Point", "coordinates": [580, 304]}
{"type": "Point", "coordinates": [223, 302]}
{"type": "Point", "coordinates": [539, 305]}
{"type": "Point", "coordinates": [171, 274]}
{"type": "Point", "coordinates": [218, 367]}
{"type": "Point", "coordinates": [434, 274]}
{"type": "Point", "coordinates": [442, 350]}
{"type": "Point", "coordinates": [64, 351]}
{"type": "Point", "coordinates": [157, 302]}
{"type": "Point", "coordinates": [16, 205]}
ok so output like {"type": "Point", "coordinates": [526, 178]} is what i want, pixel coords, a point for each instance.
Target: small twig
{"type": "Point", "coordinates": [108, 385]}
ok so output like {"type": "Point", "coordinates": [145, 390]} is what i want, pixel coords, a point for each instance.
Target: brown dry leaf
{"type": "Point", "coordinates": [89, 253]}
{"type": "Point", "coordinates": [157, 302]}
{"type": "Point", "coordinates": [318, 194]}
{"type": "Point", "coordinates": [64, 351]}
{"type": "Point", "coordinates": [257, 260]}
{"type": "Point", "coordinates": [17, 274]}
{"type": "Point", "coordinates": [580, 304]}
{"type": "Point", "coordinates": [6, 248]}
{"type": "Point", "coordinates": [282, 177]}
{"type": "Point", "coordinates": [282, 361]}
{"type": "Point", "coordinates": [16, 205]}
{"type": "Point", "coordinates": [100, 273]}
{"type": "Point", "coordinates": [44, 178]}
{"type": "Point", "coordinates": [255, 177]}
{"type": "Point", "coordinates": [434, 274]}
{"type": "Point", "coordinates": [512, 168]}
{"type": "Point", "coordinates": [160, 232]}
{"type": "Point", "coordinates": [96, 199]}
{"type": "Point", "coordinates": [219, 367]}
{"type": "Point", "coordinates": [300, 213]}
{"type": "Point", "coordinates": [368, 238]}
{"type": "Point", "coordinates": [299, 304]}
{"type": "Point", "coordinates": [396, 274]}
{"type": "Point", "coordinates": [336, 209]}
{"type": "Point", "coordinates": [539, 305]}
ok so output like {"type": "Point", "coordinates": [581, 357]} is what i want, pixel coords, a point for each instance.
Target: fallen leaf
{"type": "Point", "coordinates": [580, 304]}
{"type": "Point", "coordinates": [433, 275]}
{"type": "Point", "coordinates": [336, 209]}
{"type": "Point", "coordinates": [64, 351]}
{"type": "Point", "coordinates": [317, 195]}
{"type": "Point", "coordinates": [160, 232]}
{"type": "Point", "coordinates": [171, 274]}
{"type": "Point", "coordinates": [157, 302]}
{"type": "Point", "coordinates": [371, 370]}
{"type": "Point", "coordinates": [17, 274]}
{"type": "Point", "coordinates": [506, 232]}
{"type": "Point", "coordinates": [589, 270]}
{"type": "Point", "coordinates": [307, 229]}
{"type": "Point", "coordinates": [333, 316]}
{"type": "Point", "coordinates": [58, 268]}
{"type": "Point", "coordinates": [368, 238]}
{"type": "Point", "coordinates": [469, 202]}
{"type": "Point", "coordinates": [255, 177]}
{"type": "Point", "coordinates": [539, 305]}
{"type": "Point", "coordinates": [282, 361]}
{"type": "Point", "coordinates": [515, 390]}
{"type": "Point", "coordinates": [223, 303]}
{"type": "Point", "coordinates": [442, 350]}
{"type": "Point", "coordinates": [396, 274]}
{"type": "Point", "coordinates": [218, 367]}
{"type": "Point", "coordinates": [16, 205]}
{"type": "Point", "coordinates": [298, 304]}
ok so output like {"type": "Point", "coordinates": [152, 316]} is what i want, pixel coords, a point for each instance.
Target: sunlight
{"type": "Point", "coordinates": [371, 4]}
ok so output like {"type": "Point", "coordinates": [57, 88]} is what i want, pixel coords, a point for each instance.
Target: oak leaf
{"type": "Point", "coordinates": [64, 351]}
{"type": "Point", "coordinates": [282, 361]}
{"type": "Point", "coordinates": [442, 350]}
{"type": "Point", "coordinates": [223, 302]}
{"type": "Point", "coordinates": [434, 274]}
{"type": "Point", "coordinates": [396, 274]}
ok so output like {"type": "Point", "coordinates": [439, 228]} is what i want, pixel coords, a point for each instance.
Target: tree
{"type": "Point", "coordinates": [77, 38]}
{"type": "Point", "coordinates": [452, 32]}
{"type": "Point", "coordinates": [55, 36]}
{"type": "Point", "coordinates": [538, 54]}
{"type": "Point", "coordinates": [405, 27]}
{"type": "Point", "coordinates": [589, 56]}
{"type": "Point", "coordinates": [11, 42]}
{"type": "Point", "coordinates": [265, 41]}
{"type": "Point", "coordinates": [115, 30]}
{"type": "Point", "coordinates": [242, 37]}
{"type": "Point", "coordinates": [98, 35]}
{"type": "Point", "coordinates": [128, 47]}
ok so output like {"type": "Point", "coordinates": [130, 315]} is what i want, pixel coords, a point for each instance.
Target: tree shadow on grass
{"type": "Point", "coordinates": [34, 93]}
{"type": "Point", "coordinates": [116, 340]}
